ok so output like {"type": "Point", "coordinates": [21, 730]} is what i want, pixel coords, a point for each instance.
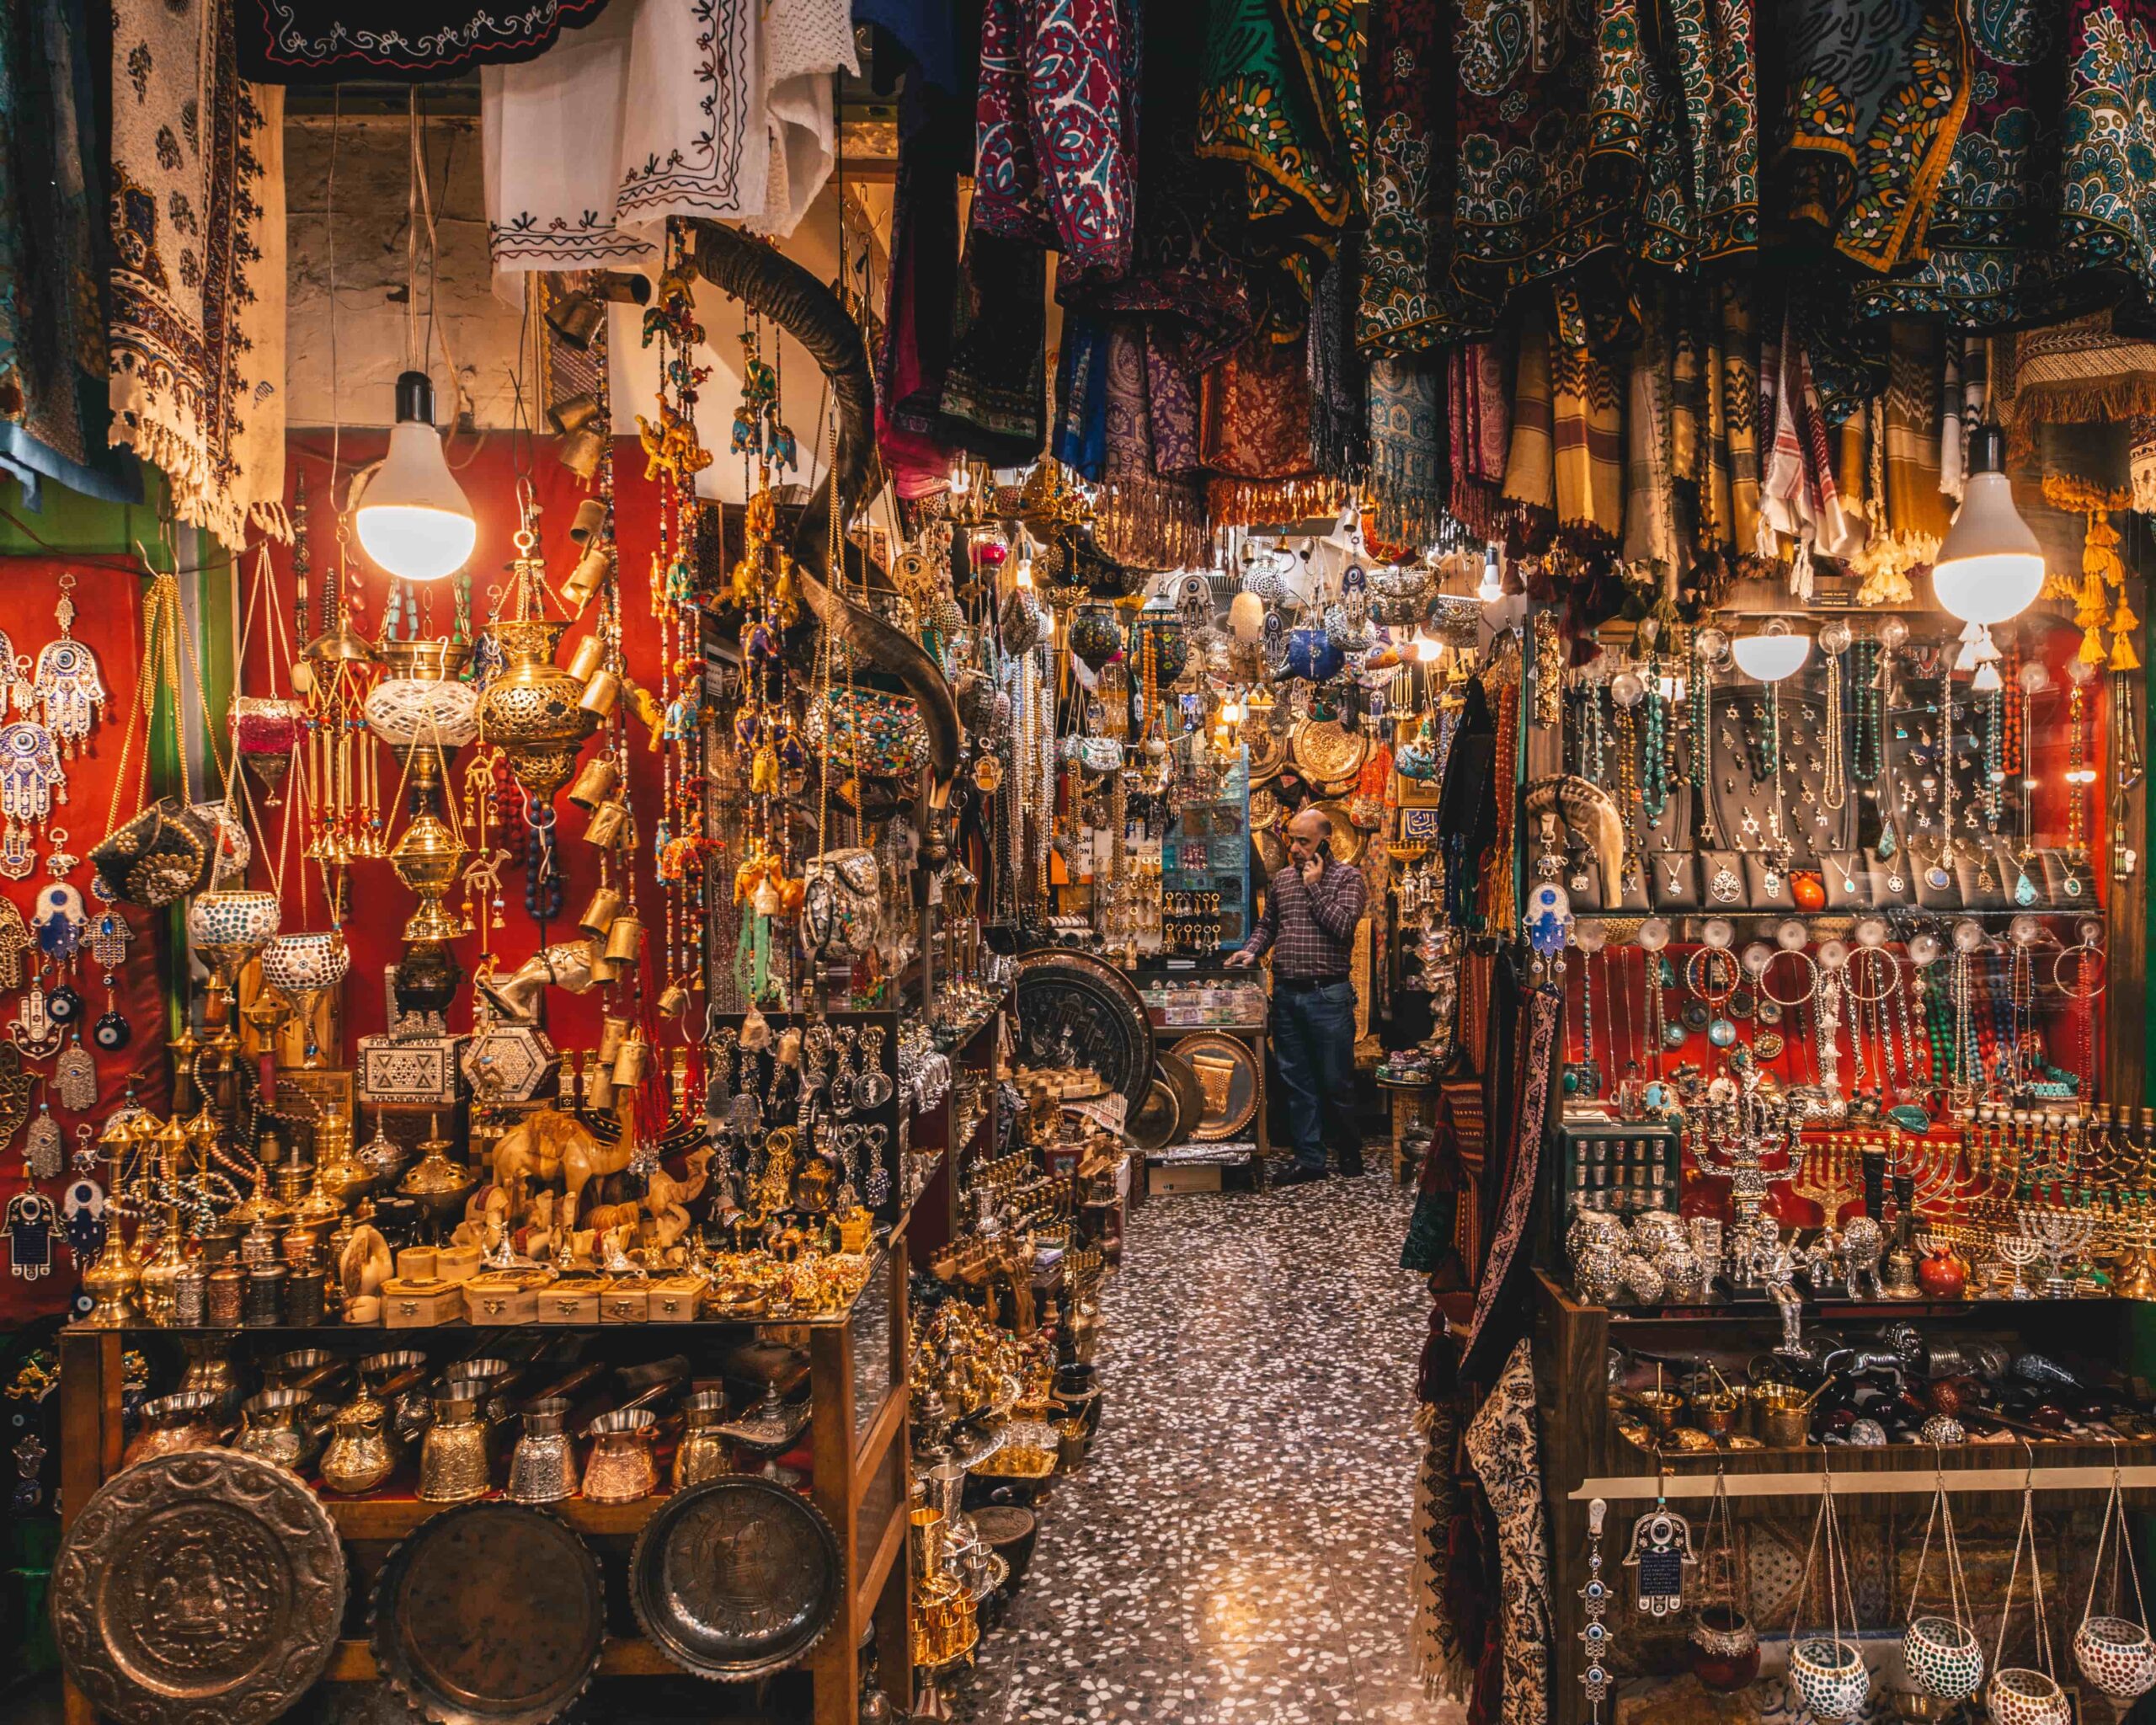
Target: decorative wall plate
{"type": "Point", "coordinates": [1347, 838]}
{"type": "Point", "coordinates": [1154, 1126]}
{"type": "Point", "coordinates": [737, 1578]}
{"type": "Point", "coordinates": [1229, 1080]}
{"type": "Point", "coordinates": [1272, 853]}
{"type": "Point", "coordinates": [1328, 753]}
{"type": "Point", "coordinates": [1182, 1077]}
{"type": "Point", "coordinates": [489, 1614]}
{"type": "Point", "coordinates": [1075, 1010]}
{"type": "Point", "coordinates": [1268, 750]}
{"type": "Point", "coordinates": [201, 1585]}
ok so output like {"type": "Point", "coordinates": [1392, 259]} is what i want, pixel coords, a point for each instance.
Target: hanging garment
{"type": "Point", "coordinates": [1172, 404]}
{"type": "Point", "coordinates": [1340, 395]}
{"type": "Point", "coordinates": [995, 390]}
{"type": "Point", "coordinates": [412, 41]}
{"type": "Point", "coordinates": [1501, 1306]}
{"type": "Point", "coordinates": [1479, 421]}
{"type": "Point", "coordinates": [1256, 413]}
{"type": "Point", "coordinates": [1054, 147]}
{"type": "Point", "coordinates": [917, 350]}
{"type": "Point", "coordinates": [1280, 92]}
{"type": "Point", "coordinates": [1406, 486]}
{"type": "Point", "coordinates": [1875, 92]}
{"type": "Point", "coordinates": [1912, 501]}
{"type": "Point", "coordinates": [1467, 802]}
{"type": "Point", "coordinates": [1502, 1446]}
{"type": "Point", "coordinates": [1650, 456]}
{"type": "Point", "coordinates": [1530, 472]}
{"type": "Point", "coordinates": [1441, 1651]}
{"type": "Point", "coordinates": [55, 258]}
{"type": "Point", "coordinates": [1798, 497]}
{"type": "Point", "coordinates": [807, 43]}
{"type": "Point", "coordinates": [1079, 437]}
{"type": "Point", "coordinates": [196, 332]}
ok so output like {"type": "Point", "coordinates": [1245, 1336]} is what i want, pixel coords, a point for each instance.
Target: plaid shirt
{"type": "Point", "coordinates": [1311, 930]}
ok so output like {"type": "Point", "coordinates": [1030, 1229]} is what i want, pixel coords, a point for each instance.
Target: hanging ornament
{"type": "Point", "coordinates": [60, 861]}
{"type": "Point", "coordinates": [45, 1151]}
{"type": "Point", "coordinates": [1661, 1553]}
{"type": "Point", "coordinates": [69, 687]}
{"type": "Point", "coordinates": [14, 942]}
{"type": "Point", "coordinates": [84, 1206]}
{"type": "Point", "coordinates": [29, 1223]}
{"type": "Point", "coordinates": [76, 1079]}
{"type": "Point", "coordinates": [108, 943]}
{"type": "Point", "coordinates": [29, 774]}
{"type": "Point", "coordinates": [59, 919]}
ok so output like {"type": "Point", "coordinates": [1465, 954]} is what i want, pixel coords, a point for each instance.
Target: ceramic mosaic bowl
{"type": "Point", "coordinates": [2116, 1655]}
{"type": "Point", "coordinates": [231, 919]}
{"type": "Point", "coordinates": [1831, 1678]}
{"type": "Point", "coordinates": [1944, 1658]}
{"type": "Point", "coordinates": [2019, 1695]}
{"type": "Point", "coordinates": [302, 961]}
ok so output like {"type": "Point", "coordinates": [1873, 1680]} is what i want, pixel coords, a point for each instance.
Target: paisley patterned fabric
{"type": "Point", "coordinates": [1143, 517]}
{"type": "Point", "coordinates": [1398, 313]}
{"type": "Point", "coordinates": [1280, 93]}
{"type": "Point", "coordinates": [1502, 1447]}
{"type": "Point", "coordinates": [994, 400]}
{"type": "Point", "coordinates": [1054, 142]}
{"type": "Point", "coordinates": [1257, 412]}
{"type": "Point", "coordinates": [1874, 95]}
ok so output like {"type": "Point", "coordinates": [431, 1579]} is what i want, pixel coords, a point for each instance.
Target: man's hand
{"type": "Point", "coordinates": [1241, 961]}
{"type": "Point", "coordinates": [1312, 871]}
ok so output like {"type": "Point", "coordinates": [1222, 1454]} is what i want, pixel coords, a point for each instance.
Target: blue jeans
{"type": "Point", "coordinates": [1313, 1047]}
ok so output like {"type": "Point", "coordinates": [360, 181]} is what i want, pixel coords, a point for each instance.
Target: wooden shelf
{"type": "Point", "coordinates": [393, 1517]}
{"type": "Point", "coordinates": [619, 1656]}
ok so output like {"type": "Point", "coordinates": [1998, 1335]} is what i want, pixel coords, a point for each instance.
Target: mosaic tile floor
{"type": "Point", "coordinates": [1236, 1547]}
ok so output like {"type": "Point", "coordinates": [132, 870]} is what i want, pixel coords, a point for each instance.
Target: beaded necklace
{"type": "Point", "coordinates": [1654, 786]}
{"type": "Point", "coordinates": [1596, 742]}
{"type": "Point", "coordinates": [1865, 763]}
{"type": "Point", "coordinates": [1702, 741]}
{"type": "Point", "coordinates": [1628, 800]}
{"type": "Point", "coordinates": [1834, 794]}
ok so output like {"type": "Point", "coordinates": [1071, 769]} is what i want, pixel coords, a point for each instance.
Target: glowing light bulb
{"type": "Point", "coordinates": [412, 518]}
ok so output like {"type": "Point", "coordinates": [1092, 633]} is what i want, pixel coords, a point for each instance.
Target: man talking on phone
{"type": "Point", "coordinates": [1311, 908]}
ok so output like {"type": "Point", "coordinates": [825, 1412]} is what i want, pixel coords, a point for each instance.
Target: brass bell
{"type": "Point", "coordinates": [599, 914]}
{"type": "Point", "coordinates": [625, 939]}
{"type": "Point", "coordinates": [573, 413]}
{"type": "Point", "coordinates": [612, 1033]}
{"type": "Point", "coordinates": [589, 654]}
{"type": "Point", "coordinates": [604, 970]}
{"type": "Point", "coordinates": [632, 1062]}
{"type": "Point", "coordinates": [576, 317]}
{"type": "Point", "coordinates": [590, 516]}
{"type": "Point", "coordinates": [594, 785]}
{"type": "Point", "coordinates": [601, 693]}
{"type": "Point", "coordinates": [585, 580]}
{"type": "Point", "coordinates": [599, 1086]}
{"type": "Point", "coordinates": [673, 1002]}
{"type": "Point", "coordinates": [581, 451]}
{"type": "Point", "coordinates": [609, 823]}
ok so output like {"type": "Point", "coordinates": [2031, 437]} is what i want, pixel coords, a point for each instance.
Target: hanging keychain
{"type": "Point", "coordinates": [1595, 1598]}
{"type": "Point", "coordinates": [112, 1032]}
{"type": "Point", "coordinates": [63, 1003]}
{"type": "Point", "coordinates": [69, 688]}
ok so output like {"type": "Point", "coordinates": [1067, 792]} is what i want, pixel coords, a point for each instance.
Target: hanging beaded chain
{"type": "Point", "coordinates": [1597, 762]}
{"type": "Point", "coordinates": [1776, 845]}
{"type": "Point", "coordinates": [1702, 772]}
{"type": "Point", "coordinates": [1865, 764]}
{"type": "Point", "coordinates": [1994, 756]}
{"type": "Point", "coordinates": [1835, 794]}
{"type": "Point", "coordinates": [1595, 1596]}
{"type": "Point", "coordinates": [2079, 774]}
{"type": "Point", "coordinates": [1629, 800]}
{"type": "Point", "coordinates": [1654, 760]}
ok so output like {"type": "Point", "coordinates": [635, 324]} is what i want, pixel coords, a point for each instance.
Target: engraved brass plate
{"type": "Point", "coordinates": [205, 1585]}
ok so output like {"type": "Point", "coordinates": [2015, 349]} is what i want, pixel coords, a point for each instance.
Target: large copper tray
{"type": "Point", "coordinates": [1077, 1010]}
{"type": "Point", "coordinates": [489, 1614]}
{"type": "Point", "coordinates": [737, 1578]}
{"type": "Point", "coordinates": [1230, 1080]}
{"type": "Point", "coordinates": [202, 1586]}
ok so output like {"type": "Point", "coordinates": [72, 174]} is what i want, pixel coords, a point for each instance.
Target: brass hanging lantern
{"type": "Point", "coordinates": [530, 709]}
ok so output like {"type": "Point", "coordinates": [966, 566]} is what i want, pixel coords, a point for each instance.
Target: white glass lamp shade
{"type": "Point", "coordinates": [403, 711]}
{"type": "Point", "coordinates": [412, 518]}
{"type": "Point", "coordinates": [1246, 617]}
{"type": "Point", "coordinates": [1776, 652]}
{"type": "Point", "coordinates": [1492, 588]}
{"type": "Point", "coordinates": [1989, 566]}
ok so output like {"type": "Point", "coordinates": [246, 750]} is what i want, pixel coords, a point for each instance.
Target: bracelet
{"type": "Point", "coordinates": [1809, 964]}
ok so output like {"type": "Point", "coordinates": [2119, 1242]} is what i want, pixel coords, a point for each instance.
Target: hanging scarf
{"type": "Point", "coordinates": [721, 110]}
{"type": "Point", "coordinates": [1280, 93]}
{"type": "Point", "coordinates": [1257, 412]}
{"type": "Point", "coordinates": [411, 41]}
{"type": "Point", "coordinates": [55, 262]}
{"type": "Point", "coordinates": [917, 350]}
{"type": "Point", "coordinates": [1650, 468]}
{"type": "Point", "coordinates": [1478, 415]}
{"type": "Point", "coordinates": [1467, 802]}
{"type": "Point", "coordinates": [1441, 1655]}
{"type": "Point", "coordinates": [1798, 495]}
{"type": "Point", "coordinates": [1339, 405]}
{"type": "Point", "coordinates": [994, 388]}
{"type": "Point", "coordinates": [1502, 1444]}
{"type": "Point", "coordinates": [1054, 145]}
{"type": "Point", "coordinates": [196, 336]}
{"type": "Point", "coordinates": [1081, 397]}
{"type": "Point", "coordinates": [1733, 422]}
{"type": "Point", "coordinates": [1586, 428]}
{"type": "Point", "coordinates": [1525, 206]}
{"type": "Point", "coordinates": [1530, 474]}
{"type": "Point", "coordinates": [1397, 315]}
{"type": "Point", "coordinates": [1144, 518]}
{"type": "Point", "coordinates": [1407, 484]}
{"type": "Point", "coordinates": [1171, 405]}
{"type": "Point", "coordinates": [1876, 91]}
{"type": "Point", "coordinates": [2076, 373]}
{"type": "Point", "coordinates": [1913, 502]}
{"type": "Point", "coordinates": [1717, 76]}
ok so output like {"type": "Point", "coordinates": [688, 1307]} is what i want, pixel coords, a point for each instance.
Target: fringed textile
{"type": "Point", "coordinates": [1530, 462]}
{"type": "Point", "coordinates": [1340, 403]}
{"type": "Point", "coordinates": [1142, 518]}
{"type": "Point", "coordinates": [1650, 463]}
{"type": "Point", "coordinates": [995, 390]}
{"type": "Point", "coordinates": [2075, 373]}
{"type": "Point", "coordinates": [1502, 1446]}
{"type": "Point", "coordinates": [1254, 418]}
{"type": "Point", "coordinates": [1586, 431]}
{"type": "Point", "coordinates": [1912, 501]}
{"type": "Point", "coordinates": [196, 335]}
{"type": "Point", "coordinates": [1441, 1660]}
{"type": "Point", "coordinates": [1406, 486]}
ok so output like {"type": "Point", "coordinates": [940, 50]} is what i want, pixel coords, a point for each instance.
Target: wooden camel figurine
{"type": "Point", "coordinates": [550, 1143]}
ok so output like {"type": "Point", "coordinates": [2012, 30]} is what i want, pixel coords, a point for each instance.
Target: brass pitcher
{"type": "Point", "coordinates": [702, 1452]}
{"type": "Point", "coordinates": [453, 1454]}
{"type": "Point", "coordinates": [622, 1467]}
{"type": "Point", "coordinates": [275, 1428]}
{"type": "Point", "coordinates": [186, 1420]}
{"type": "Point", "coordinates": [359, 1456]}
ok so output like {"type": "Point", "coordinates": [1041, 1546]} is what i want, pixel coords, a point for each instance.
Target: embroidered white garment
{"type": "Point", "coordinates": [720, 109]}
{"type": "Point", "coordinates": [805, 42]}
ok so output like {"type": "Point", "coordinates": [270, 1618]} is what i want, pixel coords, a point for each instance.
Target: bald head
{"type": "Point", "coordinates": [1306, 831]}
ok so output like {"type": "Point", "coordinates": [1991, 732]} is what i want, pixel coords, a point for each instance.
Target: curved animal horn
{"type": "Point", "coordinates": [810, 312]}
{"type": "Point", "coordinates": [1592, 812]}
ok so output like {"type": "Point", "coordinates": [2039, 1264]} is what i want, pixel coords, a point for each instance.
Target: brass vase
{"type": "Point", "coordinates": [530, 710]}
